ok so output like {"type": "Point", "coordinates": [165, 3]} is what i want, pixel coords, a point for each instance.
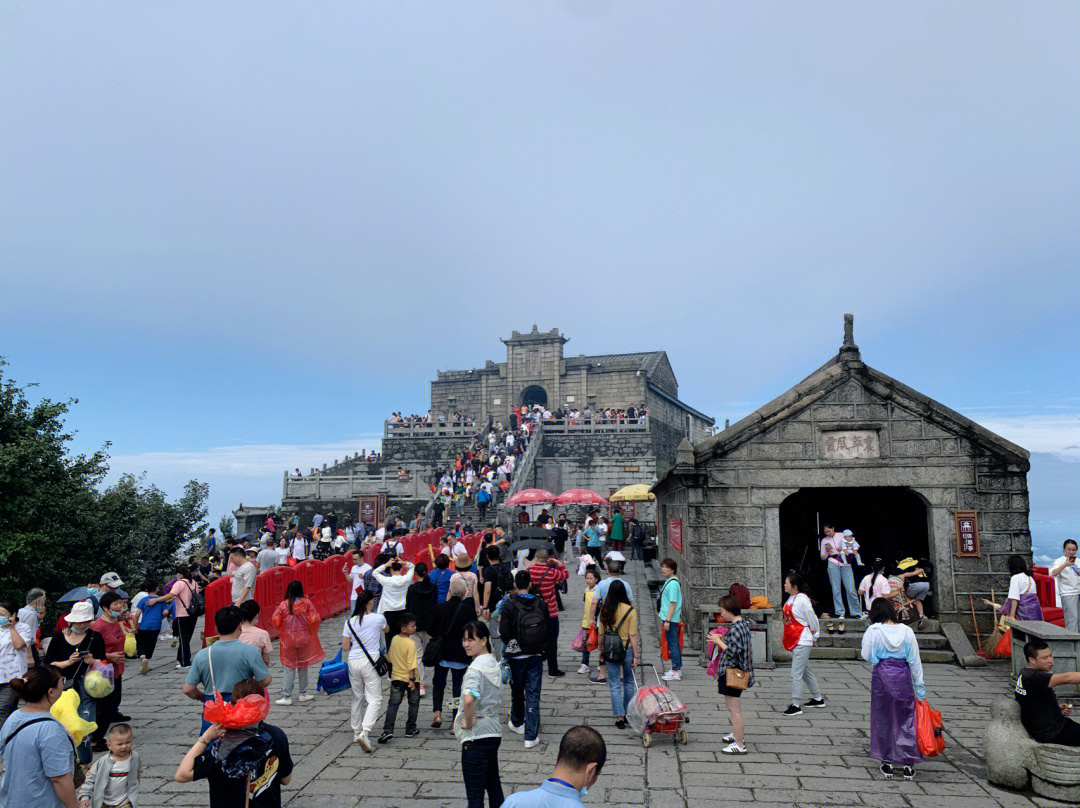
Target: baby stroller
{"type": "Point", "coordinates": [656, 710]}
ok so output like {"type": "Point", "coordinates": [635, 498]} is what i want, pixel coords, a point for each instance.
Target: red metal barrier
{"type": "Point", "coordinates": [218, 594]}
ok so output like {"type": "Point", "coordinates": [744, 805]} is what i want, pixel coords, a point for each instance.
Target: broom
{"type": "Point", "coordinates": [978, 640]}
{"type": "Point", "coordinates": [995, 635]}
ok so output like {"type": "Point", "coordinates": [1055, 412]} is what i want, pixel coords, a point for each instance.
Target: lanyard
{"type": "Point", "coordinates": [560, 782]}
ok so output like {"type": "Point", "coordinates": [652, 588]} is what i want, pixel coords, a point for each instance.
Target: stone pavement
{"type": "Point", "coordinates": [818, 758]}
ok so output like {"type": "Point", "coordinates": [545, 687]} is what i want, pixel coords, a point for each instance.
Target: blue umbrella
{"type": "Point", "coordinates": [81, 593]}
{"type": "Point", "coordinates": [244, 536]}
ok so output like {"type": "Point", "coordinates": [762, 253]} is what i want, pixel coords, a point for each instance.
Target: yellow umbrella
{"type": "Point", "coordinates": [633, 493]}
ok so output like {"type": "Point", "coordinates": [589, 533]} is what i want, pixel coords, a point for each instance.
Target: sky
{"type": "Point", "coordinates": [242, 234]}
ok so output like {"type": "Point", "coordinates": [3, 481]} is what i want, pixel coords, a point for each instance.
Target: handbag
{"type": "Point", "coordinates": [382, 664]}
{"type": "Point", "coordinates": [433, 650]}
{"type": "Point", "coordinates": [736, 679]}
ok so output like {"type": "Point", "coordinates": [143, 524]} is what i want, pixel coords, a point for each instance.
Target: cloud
{"type": "Point", "coordinates": [1056, 434]}
{"type": "Point", "coordinates": [1043, 559]}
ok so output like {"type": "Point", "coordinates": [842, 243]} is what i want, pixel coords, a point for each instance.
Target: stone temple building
{"type": "Point", "coordinates": [600, 456]}
{"type": "Point", "coordinates": [853, 447]}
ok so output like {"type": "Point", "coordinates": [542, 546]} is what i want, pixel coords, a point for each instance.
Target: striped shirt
{"type": "Point", "coordinates": [546, 578]}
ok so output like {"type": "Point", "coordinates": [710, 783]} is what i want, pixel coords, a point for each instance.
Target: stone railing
{"type": "Point", "coordinates": [321, 486]}
{"type": "Point", "coordinates": [586, 426]}
{"type": "Point", "coordinates": [523, 469]}
{"type": "Point", "coordinates": [455, 429]}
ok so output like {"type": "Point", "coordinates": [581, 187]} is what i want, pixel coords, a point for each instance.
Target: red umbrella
{"type": "Point", "coordinates": [580, 496]}
{"type": "Point", "coordinates": [532, 496]}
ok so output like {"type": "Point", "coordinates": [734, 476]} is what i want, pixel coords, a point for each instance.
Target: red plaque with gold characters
{"type": "Point", "coordinates": [675, 534]}
{"type": "Point", "coordinates": [967, 534]}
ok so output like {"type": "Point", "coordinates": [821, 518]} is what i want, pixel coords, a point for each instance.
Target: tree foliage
{"type": "Point", "coordinates": [227, 527]}
{"type": "Point", "coordinates": [58, 527]}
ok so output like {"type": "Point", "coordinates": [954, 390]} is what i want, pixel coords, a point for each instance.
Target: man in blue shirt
{"type": "Point", "coordinates": [151, 610]}
{"type": "Point", "coordinates": [581, 757]}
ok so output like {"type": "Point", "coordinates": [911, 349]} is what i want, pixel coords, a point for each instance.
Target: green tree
{"type": "Point", "coordinates": [227, 527]}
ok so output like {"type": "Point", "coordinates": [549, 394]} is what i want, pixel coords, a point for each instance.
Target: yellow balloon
{"type": "Point", "coordinates": [66, 711]}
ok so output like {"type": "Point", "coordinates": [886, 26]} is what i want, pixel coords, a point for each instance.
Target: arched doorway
{"type": "Point", "coordinates": [534, 394]}
{"type": "Point", "coordinates": [889, 523]}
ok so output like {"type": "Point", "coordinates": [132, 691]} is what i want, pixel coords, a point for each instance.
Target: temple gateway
{"type": "Point", "coordinates": [851, 447]}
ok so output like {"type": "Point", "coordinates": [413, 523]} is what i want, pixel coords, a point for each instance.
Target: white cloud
{"type": "Point", "coordinates": [1056, 434]}
{"type": "Point", "coordinates": [1043, 560]}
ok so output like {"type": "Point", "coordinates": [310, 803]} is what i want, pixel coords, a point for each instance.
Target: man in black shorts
{"type": "Point", "coordinates": [1045, 720]}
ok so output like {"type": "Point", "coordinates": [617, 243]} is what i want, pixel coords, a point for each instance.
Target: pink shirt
{"type": "Point", "coordinates": [260, 638]}
{"type": "Point", "coordinates": [183, 589]}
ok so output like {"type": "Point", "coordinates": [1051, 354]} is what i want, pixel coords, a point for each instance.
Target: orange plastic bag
{"type": "Point", "coordinates": [594, 639]}
{"type": "Point", "coordinates": [1004, 645]}
{"type": "Point", "coordinates": [665, 652]}
{"type": "Point", "coordinates": [929, 731]}
{"type": "Point", "coordinates": [249, 710]}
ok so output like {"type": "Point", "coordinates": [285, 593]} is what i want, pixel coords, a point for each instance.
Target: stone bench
{"type": "Point", "coordinates": [1013, 759]}
{"type": "Point", "coordinates": [1064, 644]}
{"type": "Point", "coordinates": [763, 625]}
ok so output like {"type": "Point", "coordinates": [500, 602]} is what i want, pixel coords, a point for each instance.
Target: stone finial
{"type": "Point", "coordinates": [684, 454]}
{"type": "Point", "coordinates": [849, 351]}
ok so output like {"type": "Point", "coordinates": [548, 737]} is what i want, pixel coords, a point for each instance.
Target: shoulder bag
{"type": "Point", "coordinates": [382, 664]}
{"type": "Point", "coordinates": [433, 650]}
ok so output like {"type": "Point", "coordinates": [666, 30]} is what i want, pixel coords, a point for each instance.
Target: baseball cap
{"type": "Point", "coordinates": [111, 579]}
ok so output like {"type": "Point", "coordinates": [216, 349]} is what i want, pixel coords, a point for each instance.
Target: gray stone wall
{"type": "Point", "coordinates": [597, 462]}
{"type": "Point", "coordinates": [731, 526]}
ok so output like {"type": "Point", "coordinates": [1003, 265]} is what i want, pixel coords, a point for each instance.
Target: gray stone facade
{"type": "Point", "coordinates": [927, 462]}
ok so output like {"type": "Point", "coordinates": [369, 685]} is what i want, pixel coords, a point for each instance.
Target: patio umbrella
{"type": "Point", "coordinates": [580, 496]}
{"type": "Point", "coordinates": [80, 593]}
{"type": "Point", "coordinates": [633, 493]}
{"type": "Point", "coordinates": [531, 496]}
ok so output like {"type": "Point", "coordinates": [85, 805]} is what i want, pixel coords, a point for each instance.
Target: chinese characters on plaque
{"type": "Point", "coordinates": [850, 444]}
{"type": "Point", "coordinates": [967, 533]}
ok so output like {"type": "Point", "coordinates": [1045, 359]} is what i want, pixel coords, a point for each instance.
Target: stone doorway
{"type": "Point", "coordinates": [889, 523]}
{"type": "Point", "coordinates": [534, 394]}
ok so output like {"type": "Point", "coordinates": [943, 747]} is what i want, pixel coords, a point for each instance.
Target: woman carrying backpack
{"type": "Point", "coordinates": [618, 629]}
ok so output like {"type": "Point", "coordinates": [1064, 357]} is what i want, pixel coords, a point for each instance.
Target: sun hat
{"type": "Point", "coordinates": [462, 561]}
{"type": "Point", "coordinates": [81, 612]}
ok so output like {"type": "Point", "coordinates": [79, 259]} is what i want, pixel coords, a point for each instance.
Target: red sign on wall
{"type": "Point", "coordinates": [674, 532]}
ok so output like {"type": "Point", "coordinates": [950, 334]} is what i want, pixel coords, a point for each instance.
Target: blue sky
{"type": "Point", "coordinates": [241, 234]}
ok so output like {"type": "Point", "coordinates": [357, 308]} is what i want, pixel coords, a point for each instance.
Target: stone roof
{"type": "Point", "coordinates": [847, 365]}
{"type": "Point", "coordinates": [646, 362]}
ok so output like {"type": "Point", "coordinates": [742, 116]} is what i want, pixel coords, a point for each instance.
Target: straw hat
{"type": "Point", "coordinates": [462, 561]}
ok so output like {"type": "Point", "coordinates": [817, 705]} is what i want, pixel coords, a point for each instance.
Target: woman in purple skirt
{"type": "Point", "coordinates": [1022, 602]}
{"type": "Point", "coordinates": [897, 682]}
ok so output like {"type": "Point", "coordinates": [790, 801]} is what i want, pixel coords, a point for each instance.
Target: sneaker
{"type": "Point", "coordinates": [411, 733]}
{"type": "Point", "coordinates": [583, 669]}
{"type": "Point", "coordinates": [284, 702]}
{"type": "Point", "coordinates": [886, 771]}
{"type": "Point", "coordinates": [793, 709]}
{"type": "Point", "coordinates": [556, 674]}
{"type": "Point", "coordinates": [815, 702]}
{"type": "Point", "coordinates": [598, 681]}
{"type": "Point", "coordinates": [667, 675]}
{"type": "Point", "coordinates": [733, 749]}
{"type": "Point", "coordinates": [729, 738]}
{"type": "Point", "coordinates": [306, 697]}
{"type": "Point", "coordinates": [519, 729]}
{"type": "Point", "coordinates": [676, 676]}
{"type": "Point", "coordinates": [532, 743]}
{"type": "Point", "coordinates": [364, 742]}
{"type": "Point", "coordinates": [386, 736]}
{"type": "Point", "coordinates": [909, 772]}
{"type": "Point", "coordinates": [144, 666]}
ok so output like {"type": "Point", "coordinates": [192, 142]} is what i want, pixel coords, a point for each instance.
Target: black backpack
{"type": "Point", "coordinates": [506, 578]}
{"type": "Point", "coordinates": [613, 650]}
{"type": "Point", "coordinates": [532, 624]}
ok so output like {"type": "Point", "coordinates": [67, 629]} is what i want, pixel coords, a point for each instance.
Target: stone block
{"type": "Point", "coordinates": [726, 535]}
{"type": "Point", "coordinates": [775, 451]}
{"type": "Point", "coordinates": [725, 576]}
{"type": "Point", "coordinates": [949, 446]}
{"type": "Point", "coordinates": [906, 429]}
{"type": "Point", "coordinates": [898, 413]}
{"type": "Point", "coordinates": [723, 515]}
{"type": "Point", "coordinates": [850, 393]}
{"type": "Point", "coordinates": [1011, 521]}
{"type": "Point", "coordinates": [793, 431]}
{"type": "Point", "coordinates": [990, 481]}
{"type": "Point", "coordinates": [871, 412]}
{"type": "Point", "coordinates": [727, 496]}
{"type": "Point", "coordinates": [833, 412]}
{"type": "Point", "coordinates": [1021, 543]}
{"type": "Point", "coordinates": [916, 448]}
{"type": "Point", "coordinates": [970, 498]}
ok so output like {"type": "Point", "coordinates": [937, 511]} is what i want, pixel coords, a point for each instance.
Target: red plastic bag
{"type": "Point", "coordinates": [929, 731]}
{"type": "Point", "coordinates": [1003, 648]}
{"type": "Point", "coordinates": [249, 710]}
{"type": "Point", "coordinates": [594, 639]}
{"type": "Point", "coordinates": [665, 653]}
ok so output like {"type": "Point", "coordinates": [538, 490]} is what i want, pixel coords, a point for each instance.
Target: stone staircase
{"type": "Point", "coordinates": [933, 644]}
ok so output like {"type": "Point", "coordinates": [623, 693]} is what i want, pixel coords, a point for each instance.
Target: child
{"type": "Point", "coordinates": [592, 578]}
{"type": "Point", "coordinates": [403, 679]}
{"type": "Point", "coordinates": [113, 780]}
{"type": "Point", "coordinates": [150, 611]}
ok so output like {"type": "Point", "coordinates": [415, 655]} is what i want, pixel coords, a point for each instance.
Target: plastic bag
{"type": "Point", "coordinates": [66, 710]}
{"type": "Point", "coordinates": [665, 652]}
{"type": "Point", "coordinates": [131, 648]}
{"type": "Point", "coordinates": [594, 639]}
{"type": "Point", "coordinates": [649, 703]}
{"type": "Point", "coordinates": [929, 730]}
{"type": "Point", "coordinates": [99, 681]}
{"type": "Point", "coordinates": [249, 710]}
{"type": "Point", "coordinates": [1004, 646]}
{"type": "Point", "coordinates": [579, 640]}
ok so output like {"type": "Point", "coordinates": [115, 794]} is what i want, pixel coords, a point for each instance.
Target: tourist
{"type": "Point", "coordinates": [404, 680]}
{"type": "Point", "coordinates": [38, 764]}
{"type": "Point", "coordinates": [252, 773]}
{"type": "Point", "coordinates": [523, 627]}
{"type": "Point", "coordinates": [619, 651]}
{"type": "Point", "coordinates": [437, 509]}
{"type": "Point", "coordinates": [582, 754]}
{"type": "Point", "coordinates": [243, 577]}
{"type": "Point", "coordinates": [592, 578]}
{"type": "Point", "coordinates": [594, 544]}
{"type": "Point", "coordinates": [1045, 720]}
{"type": "Point", "coordinates": [15, 637]}
{"type": "Point", "coordinates": [841, 578]}
{"type": "Point", "coordinates": [356, 575]}
{"type": "Point", "coordinates": [30, 616]}
{"type": "Point", "coordinates": [181, 594]}
{"type": "Point", "coordinates": [72, 650]}
{"type": "Point", "coordinates": [267, 557]}
{"type": "Point", "coordinates": [617, 532]}
{"type": "Point", "coordinates": [301, 544]}
{"type": "Point", "coordinates": [447, 624]}
{"type": "Point", "coordinates": [615, 570]}
{"type": "Point", "coordinates": [735, 653]}
{"type": "Point", "coordinates": [801, 631]}
{"type": "Point", "coordinates": [916, 582]}
{"type": "Point", "coordinates": [875, 585]}
{"type": "Point", "coordinates": [478, 724]}
{"type": "Point", "coordinates": [1022, 602]}
{"type": "Point", "coordinates": [670, 614]}
{"type": "Point", "coordinates": [361, 641]}
{"type": "Point", "coordinates": [546, 574]}
{"type": "Point", "coordinates": [637, 541]}
{"type": "Point", "coordinates": [233, 661]}
{"type": "Point", "coordinates": [297, 621]}
{"type": "Point", "coordinates": [395, 587]}
{"type": "Point", "coordinates": [324, 547]}
{"type": "Point", "coordinates": [108, 626]}
{"type": "Point", "coordinates": [464, 564]}
{"type": "Point", "coordinates": [897, 681]}
{"type": "Point", "coordinates": [497, 577]}
{"type": "Point", "coordinates": [250, 633]}
{"type": "Point", "coordinates": [113, 780]}
{"type": "Point", "coordinates": [1066, 571]}
{"type": "Point", "coordinates": [281, 553]}
{"type": "Point", "coordinates": [151, 613]}
{"type": "Point", "coordinates": [420, 601]}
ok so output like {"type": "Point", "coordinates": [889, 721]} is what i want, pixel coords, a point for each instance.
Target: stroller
{"type": "Point", "coordinates": [656, 710]}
